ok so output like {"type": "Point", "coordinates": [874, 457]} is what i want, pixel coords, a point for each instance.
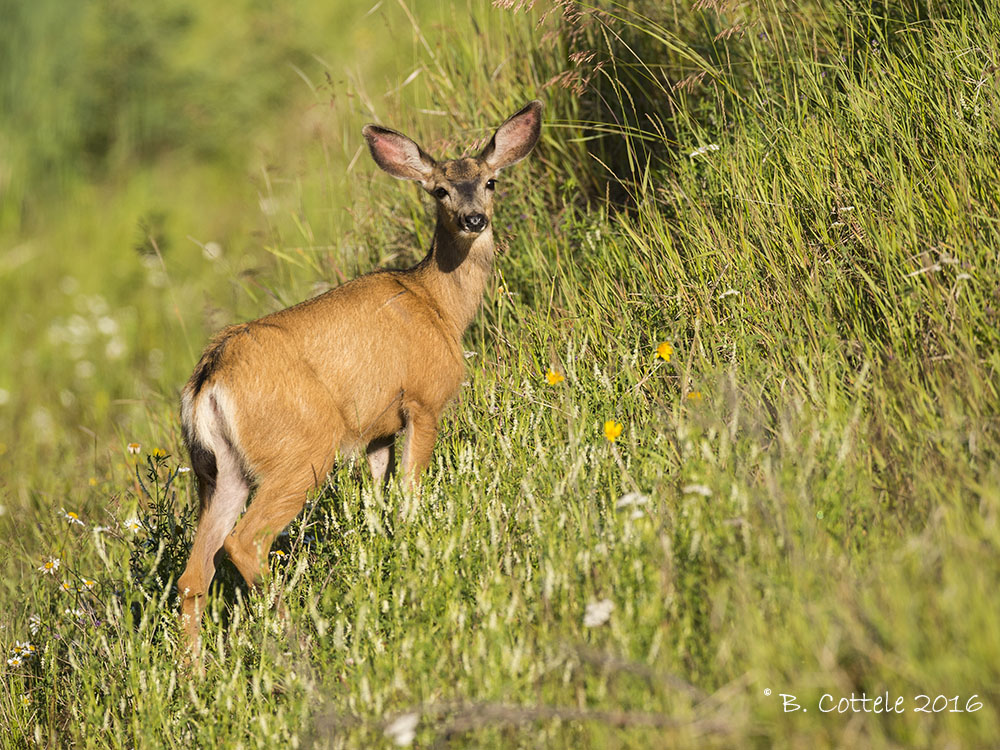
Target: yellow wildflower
{"type": "Point", "coordinates": [612, 430]}
{"type": "Point", "coordinates": [664, 350]}
{"type": "Point", "coordinates": [159, 453]}
{"type": "Point", "coordinates": [553, 377]}
{"type": "Point", "coordinates": [694, 396]}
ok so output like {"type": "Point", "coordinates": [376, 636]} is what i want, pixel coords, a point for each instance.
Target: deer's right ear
{"type": "Point", "coordinates": [397, 154]}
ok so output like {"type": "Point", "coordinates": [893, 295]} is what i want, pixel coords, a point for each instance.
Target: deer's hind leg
{"type": "Point", "coordinates": [281, 492]}
{"type": "Point", "coordinates": [381, 454]}
{"type": "Point", "coordinates": [224, 494]}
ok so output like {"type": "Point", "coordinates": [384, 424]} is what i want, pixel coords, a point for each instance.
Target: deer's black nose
{"type": "Point", "coordinates": [474, 222]}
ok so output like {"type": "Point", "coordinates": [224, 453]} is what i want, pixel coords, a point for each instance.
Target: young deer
{"type": "Point", "coordinates": [272, 402]}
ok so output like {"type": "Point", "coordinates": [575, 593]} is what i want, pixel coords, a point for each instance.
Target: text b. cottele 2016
{"type": "Point", "coordinates": [884, 703]}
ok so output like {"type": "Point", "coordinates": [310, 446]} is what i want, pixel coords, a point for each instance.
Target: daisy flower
{"type": "Point", "coordinates": [50, 566]}
{"type": "Point", "coordinates": [71, 516]}
{"type": "Point", "coordinates": [133, 524]}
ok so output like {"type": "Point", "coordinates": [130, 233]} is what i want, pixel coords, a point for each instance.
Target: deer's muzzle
{"type": "Point", "coordinates": [473, 223]}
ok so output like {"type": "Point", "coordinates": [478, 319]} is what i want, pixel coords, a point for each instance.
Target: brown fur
{"type": "Point", "coordinates": [272, 402]}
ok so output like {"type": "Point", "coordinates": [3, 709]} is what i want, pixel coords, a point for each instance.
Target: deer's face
{"type": "Point", "coordinates": [463, 189]}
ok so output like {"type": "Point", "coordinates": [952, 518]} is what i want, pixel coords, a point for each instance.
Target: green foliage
{"type": "Point", "coordinates": [800, 199]}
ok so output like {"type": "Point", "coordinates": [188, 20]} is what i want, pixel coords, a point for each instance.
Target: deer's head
{"type": "Point", "coordinates": [463, 188]}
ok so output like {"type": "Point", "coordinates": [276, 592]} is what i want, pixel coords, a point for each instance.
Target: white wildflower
{"type": "Point", "coordinates": [403, 729]}
{"type": "Point", "coordinates": [50, 566]}
{"type": "Point", "coordinates": [696, 489]}
{"type": "Point", "coordinates": [598, 613]}
{"type": "Point", "coordinates": [269, 206]}
{"type": "Point", "coordinates": [115, 348]}
{"type": "Point", "coordinates": [34, 624]}
{"type": "Point", "coordinates": [631, 500]}
{"type": "Point", "coordinates": [15, 661]}
{"type": "Point", "coordinates": [107, 325]}
{"type": "Point", "coordinates": [702, 150]}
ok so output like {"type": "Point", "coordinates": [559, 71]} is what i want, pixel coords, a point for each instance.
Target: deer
{"type": "Point", "coordinates": [273, 402]}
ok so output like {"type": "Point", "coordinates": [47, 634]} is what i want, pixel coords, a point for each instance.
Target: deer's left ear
{"type": "Point", "coordinates": [515, 138]}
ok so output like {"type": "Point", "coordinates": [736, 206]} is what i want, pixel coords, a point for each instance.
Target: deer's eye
{"type": "Point", "coordinates": [440, 192]}
{"type": "Point", "coordinates": [491, 184]}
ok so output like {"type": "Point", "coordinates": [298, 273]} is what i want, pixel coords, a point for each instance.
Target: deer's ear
{"type": "Point", "coordinates": [397, 154]}
{"type": "Point", "coordinates": [515, 138]}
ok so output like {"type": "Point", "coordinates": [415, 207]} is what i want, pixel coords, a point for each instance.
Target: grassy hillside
{"type": "Point", "coordinates": [761, 240]}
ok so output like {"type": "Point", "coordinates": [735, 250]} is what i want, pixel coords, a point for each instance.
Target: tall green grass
{"type": "Point", "coordinates": [803, 500]}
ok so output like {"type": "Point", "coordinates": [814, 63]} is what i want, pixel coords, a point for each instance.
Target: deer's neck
{"type": "Point", "coordinates": [456, 272]}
